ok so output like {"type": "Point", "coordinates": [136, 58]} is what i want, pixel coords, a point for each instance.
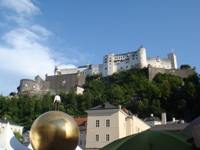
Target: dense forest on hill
{"type": "Point", "coordinates": [179, 98]}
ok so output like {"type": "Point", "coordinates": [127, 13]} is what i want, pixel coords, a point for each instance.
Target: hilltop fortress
{"type": "Point", "coordinates": [73, 78]}
{"type": "Point", "coordinates": [120, 62]}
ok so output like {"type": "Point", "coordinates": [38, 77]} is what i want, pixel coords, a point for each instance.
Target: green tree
{"type": "Point", "coordinates": [18, 136]}
{"type": "Point", "coordinates": [185, 66]}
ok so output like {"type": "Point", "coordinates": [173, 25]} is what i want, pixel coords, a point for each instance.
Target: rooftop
{"type": "Point", "coordinates": [103, 106]}
{"type": "Point", "coordinates": [80, 121]}
{"type": "Point", "coordinates": [169, 127]}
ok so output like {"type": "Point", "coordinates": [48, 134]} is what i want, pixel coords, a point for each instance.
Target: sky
{"type": "Point", "coordinates": [36, 36]}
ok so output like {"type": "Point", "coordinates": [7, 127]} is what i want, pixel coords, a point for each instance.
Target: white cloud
{"type": "Point", "coordinates": [24, 48]}
{"type": "Point", "coordinates": [22, 7]}
{"type": "Point", "coordinates": [25, 54]}
{"type": "Point", "coordinates": [41, 30]}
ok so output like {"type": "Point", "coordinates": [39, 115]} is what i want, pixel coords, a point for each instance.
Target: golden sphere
{"type": "Point", "coordinates": [54, 130]}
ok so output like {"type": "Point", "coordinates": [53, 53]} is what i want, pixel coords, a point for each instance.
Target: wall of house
{"type": "Point", "coordinates": [102, 130]}
{"type": "Point", "coordinates": [82, 141]}
{"type": "Point", "coordinates": [138, 125]}
{"type": "Point", "coordinates": [122, 123]}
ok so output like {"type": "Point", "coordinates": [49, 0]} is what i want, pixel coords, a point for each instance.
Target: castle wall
{"type": "Point", "coordinates": [153, 71]}
{"type": "Point", "coordinates": [33, 86]}
{"type": "Point", "coordinates": [28, 85]}
{"type": "Point", "coordinates": [97, 69]}
{"type": "Point", "coordinates": [159, 62]}
{"type": "Point", "coordinates": [184, 73]}
{"type": "Point", "coordinates": [72, 70]}
{"type": "Point", "coordinates": [65, 82]}
{"type": "Point", "coordinates": [43, 85]}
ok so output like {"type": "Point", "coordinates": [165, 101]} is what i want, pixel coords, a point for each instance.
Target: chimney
{"type": "Point", "coordinates": [119, 106]}
{"type": "Point", "coordinates": [151, 115]}
{"type": "Point", "coordinates": [173, 119]}
{"type": "Point", "coordinates": [164, 120]}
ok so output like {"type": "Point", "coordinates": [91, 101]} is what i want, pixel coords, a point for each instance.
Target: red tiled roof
{"type": "Point", "coordinates": [80, 121]}
{"type": "Point", "coordinates": [125, 110]}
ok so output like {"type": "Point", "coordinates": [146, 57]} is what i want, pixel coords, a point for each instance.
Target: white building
{"type": "Point", "coordinates": [107, 123]}
{"type": "Point", "coordinates": [152, 121]}
{"type": "Point", "coordinates": [14, 127]}
{"type": "Point", "coordinates": [112, 63]}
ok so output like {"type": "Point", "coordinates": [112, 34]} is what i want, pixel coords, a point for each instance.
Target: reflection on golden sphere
{"type": "Point", "coordinates": [54, 130]}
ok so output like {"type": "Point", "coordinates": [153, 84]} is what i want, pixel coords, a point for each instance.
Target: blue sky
{"type": "Point", "coordinates": [35, 36]}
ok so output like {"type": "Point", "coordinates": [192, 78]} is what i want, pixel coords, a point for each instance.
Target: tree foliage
{"type": "Point", "coordinates": [185, 66]}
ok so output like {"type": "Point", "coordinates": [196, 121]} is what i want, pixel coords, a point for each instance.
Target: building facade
{"type": "Point", "coordinates": [82, 124]}
{"type": "Point", "coordinates": [107, 123]}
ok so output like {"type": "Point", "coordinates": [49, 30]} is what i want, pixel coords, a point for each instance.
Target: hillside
{"type": "Point", "coordinates": [165, 93]}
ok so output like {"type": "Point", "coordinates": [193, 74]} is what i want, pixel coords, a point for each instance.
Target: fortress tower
{"type": "Point", "coordinates": [172, 57]}
{"type": "Point", "coordinates": [108, 64]}
{"type": "Point", "coordinates": [142, 58]}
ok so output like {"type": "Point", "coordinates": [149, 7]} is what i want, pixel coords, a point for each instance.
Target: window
{"type": "Point", "coordinates": [97, 137]}
{"type": "Point", "coordinates": [80, 142]}
{"type": "Point", "coordinates": [107, 137]}
{"type": "Point", "coordinates": [107, 123]}
{"type": "Point", "coordinates": [97, 123]}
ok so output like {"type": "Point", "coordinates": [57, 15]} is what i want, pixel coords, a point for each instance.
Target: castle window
{"type": "Point", "coordinates": [126, 66]}
{"type": "Point", "coordinates": [105, 68]}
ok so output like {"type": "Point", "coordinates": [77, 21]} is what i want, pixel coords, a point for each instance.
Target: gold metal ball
{"type": "Point", "coordinates": [54, 130]}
